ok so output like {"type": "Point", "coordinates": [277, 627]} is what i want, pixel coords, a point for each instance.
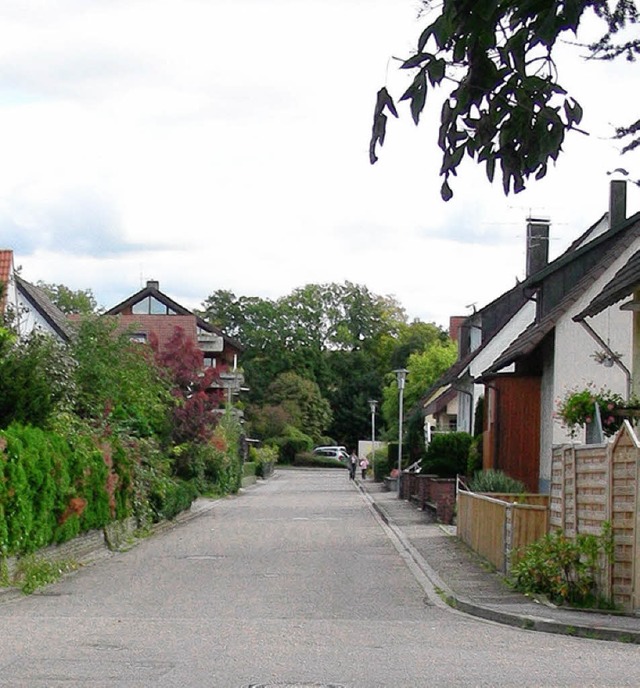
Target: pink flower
{"type": "Point", "coordinates": [588, 419]}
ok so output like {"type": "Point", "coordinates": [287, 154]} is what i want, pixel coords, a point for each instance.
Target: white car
{"type": "Point", "coordinates": [336, 452]}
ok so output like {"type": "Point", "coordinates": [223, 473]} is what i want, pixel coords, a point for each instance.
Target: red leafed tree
{"type": "Point", "coordinates": [193, 417]}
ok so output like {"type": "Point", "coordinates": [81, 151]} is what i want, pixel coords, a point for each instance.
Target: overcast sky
{"type": "Point", "coordinates": [223, 144]}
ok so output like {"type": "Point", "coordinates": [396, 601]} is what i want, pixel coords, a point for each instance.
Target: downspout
{"type": "Point", "coordinates": [614, 357]}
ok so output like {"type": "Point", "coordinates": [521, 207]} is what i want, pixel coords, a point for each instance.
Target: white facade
{"type": "Point", "coordinates": [573, 367]}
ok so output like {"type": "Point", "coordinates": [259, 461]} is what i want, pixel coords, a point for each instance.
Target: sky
{"type": "Point", "coordinates": [223, 144]}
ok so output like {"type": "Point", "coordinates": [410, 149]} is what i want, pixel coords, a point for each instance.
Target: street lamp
{"type": "Point", "coordinates": [372, 405]}
{"type": "Point", "coordinates": [401, 376]}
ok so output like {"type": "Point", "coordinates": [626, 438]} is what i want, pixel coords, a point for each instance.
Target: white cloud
{"type": "Point", "coordinates": [223, 144]}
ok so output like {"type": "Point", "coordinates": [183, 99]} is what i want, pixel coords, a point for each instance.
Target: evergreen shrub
{"type": "Point", "coordinates": [169, 497]}
{"type": "Point", "coordinates": [447, 454]}
{"type": "Point", "coordinates": [380, 465]}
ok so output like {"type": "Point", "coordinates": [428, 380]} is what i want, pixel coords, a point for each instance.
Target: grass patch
{"type": "Point", "coordinates": [35, 572]}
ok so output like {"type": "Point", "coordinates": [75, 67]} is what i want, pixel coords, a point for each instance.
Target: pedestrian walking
{"type": "Point", "coordinates": [353, 465]}
{"type": "Point", "coordinates": [364, 464]}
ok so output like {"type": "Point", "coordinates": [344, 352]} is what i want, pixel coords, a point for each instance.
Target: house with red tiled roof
{"type": "Point", "coordinates": [150, 313]}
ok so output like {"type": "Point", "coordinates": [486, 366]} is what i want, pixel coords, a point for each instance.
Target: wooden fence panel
{"type": "Point", "coordinates": [529, 522]}
{"type": "Point", "coordinates": [481, 525]}
{"type": "Point", "coordinates": [594, 484]}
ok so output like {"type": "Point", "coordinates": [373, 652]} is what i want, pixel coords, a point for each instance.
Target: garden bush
{"type": "Point", "coordinates": [381, 467]}
{"type": "Point", "coordinates": [264, 457]}
{"type": "Point", "coordinates": [310, 459]}
{"type": "Point", "coordinates": [50, 490]}
{"type": "Point", "coordinates": [169, 497]}
{"type": "Point", "coordinates": [447, 454]}
{"type": "Point", "coordinates": [491, 480]}
{"type": "Point", "coordinates": [292, 443]}
{"type": "Point", "coordinates": [565, 570]}
{"type": "Point", "coordinates": [249, 469]}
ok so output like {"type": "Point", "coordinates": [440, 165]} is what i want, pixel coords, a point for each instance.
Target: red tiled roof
{"type": "Point", "coordinates": [163, 326]}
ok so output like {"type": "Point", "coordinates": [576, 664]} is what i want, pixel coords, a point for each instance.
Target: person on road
{"type": "Point", "coordinates": [353, 464]}
{"type": "Point", "coordinates": [364, 464]}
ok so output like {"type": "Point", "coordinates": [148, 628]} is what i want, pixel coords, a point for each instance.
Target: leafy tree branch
{"type": "Point", "coordinates": [505, 107]}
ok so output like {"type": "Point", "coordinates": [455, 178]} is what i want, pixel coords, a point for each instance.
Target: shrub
{"type": "Point", "coordinates": [491, 480]}
{"type": "Point", "coordinates": [263, 456]}
{"type": "Point", "coordinates": [169, 497]}
{"type": "Point", "coordinates": [447, 454]}
{"type": "Point", "coordinates": [249, 469]}
{"type": "Point", "coordinates": [474, 460]}
{"type": "Point", "coordinates": [309, 459]}
{"type": "Point", "coordinates": [380, 465]}
{"type": "Point", "coordinates": [292, 443]}
{"type": "Point", "coordinates": [52, 489]}
{"type": "Point", "coordinates": [563, 569]}
{"type": "Point", "coordinates": [36, 379]}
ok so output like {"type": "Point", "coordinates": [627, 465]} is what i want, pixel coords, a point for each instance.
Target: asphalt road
{"type": "Point", "coordinates": [293, 583]}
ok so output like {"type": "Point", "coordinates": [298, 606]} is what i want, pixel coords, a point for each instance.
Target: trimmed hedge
{"type": "Point", "coordinates": [51, 491]}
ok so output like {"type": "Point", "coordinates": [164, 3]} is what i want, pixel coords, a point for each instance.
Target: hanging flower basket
{"type": "Point", "coordinates": [578, 408]}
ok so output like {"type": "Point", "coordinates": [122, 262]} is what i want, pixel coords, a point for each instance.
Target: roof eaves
{"type": "Point", "coordinates": [45, 307]}
{"type": "Point", "coordinates": [572, 254]}
{"type": "Point", "coordinates": [622, 284]}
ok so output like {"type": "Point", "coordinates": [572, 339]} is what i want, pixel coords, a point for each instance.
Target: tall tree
{"type": "Point", "coordinates": [504, 106]}
{"type": "Point", "coordinates": [117, 380]}
{"type": "Point", "coordinates": [424, 369]}
{"type": "Point", "coordinates": [303, 402]}
{"type": "Point", "coordinates": [79, 301]}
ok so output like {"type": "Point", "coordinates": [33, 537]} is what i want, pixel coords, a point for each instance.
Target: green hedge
{"type": "Point", "coordinates": [447, 454]}
{"type": "Point", "coordinates": [51, 491]}
{"type": "Point", "coordinates": [170, 497]}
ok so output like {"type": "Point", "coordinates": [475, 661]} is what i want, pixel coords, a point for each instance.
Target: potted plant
{"type": "Point", "coordinates": [578, 408]}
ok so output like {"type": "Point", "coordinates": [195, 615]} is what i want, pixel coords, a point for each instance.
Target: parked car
{"type": "Point", "coordinates": [337, 452]}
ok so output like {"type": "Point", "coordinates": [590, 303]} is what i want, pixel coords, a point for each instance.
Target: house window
{"type": "Point", "coordinates": [210, 361]}
{"type": "Point", "coordinates": [151, 306]}
{"type": "Point", "coordinates": [157, 307]}
{"type": "Point", "coordinates": [139, 337]}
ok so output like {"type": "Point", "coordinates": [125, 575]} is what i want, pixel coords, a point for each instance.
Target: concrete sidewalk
{"type": "Point", "coordinates": [468, 584]}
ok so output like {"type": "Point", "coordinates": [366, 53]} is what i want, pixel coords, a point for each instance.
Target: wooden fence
{"type": "Point", "coordinates": [594, 484]}
{"type": "Point", "coordinates": [497, 527]}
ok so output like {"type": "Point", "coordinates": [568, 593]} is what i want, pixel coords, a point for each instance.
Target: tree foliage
{"type": "Point", "coordinates": [192, 415]}
{"type": "Point", "coordinates": [303, 402]}
{"type": "Point", "coordinates": [341, 337]}
{"type": "Point", "coordinates": [79, 301]}
{"type": "Point", "coordinates": [117, 380]}
{"type": "Point", "coordinates": [36, 379]}
{"type": "Point", "coordinates": [504, 106]}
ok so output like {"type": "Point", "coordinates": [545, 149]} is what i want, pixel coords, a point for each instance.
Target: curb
{"type": "Point", "coordinates": [522, 621]}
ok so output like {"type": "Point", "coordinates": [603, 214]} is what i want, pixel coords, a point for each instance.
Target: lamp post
{"type": "Point", "coordinates": [401, 376]}
{"type": "Point", "coordinates": [372, 405]}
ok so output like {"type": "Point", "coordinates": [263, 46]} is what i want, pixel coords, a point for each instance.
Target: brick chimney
{"type": "Point", "coordinates": [153, 284]}
{"type": "Point", "coordinates": [617, 202]}
{"type": "Point", "coordinates": [455, 322]}
{"type": "Point", "coordinates": [537, 244]}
